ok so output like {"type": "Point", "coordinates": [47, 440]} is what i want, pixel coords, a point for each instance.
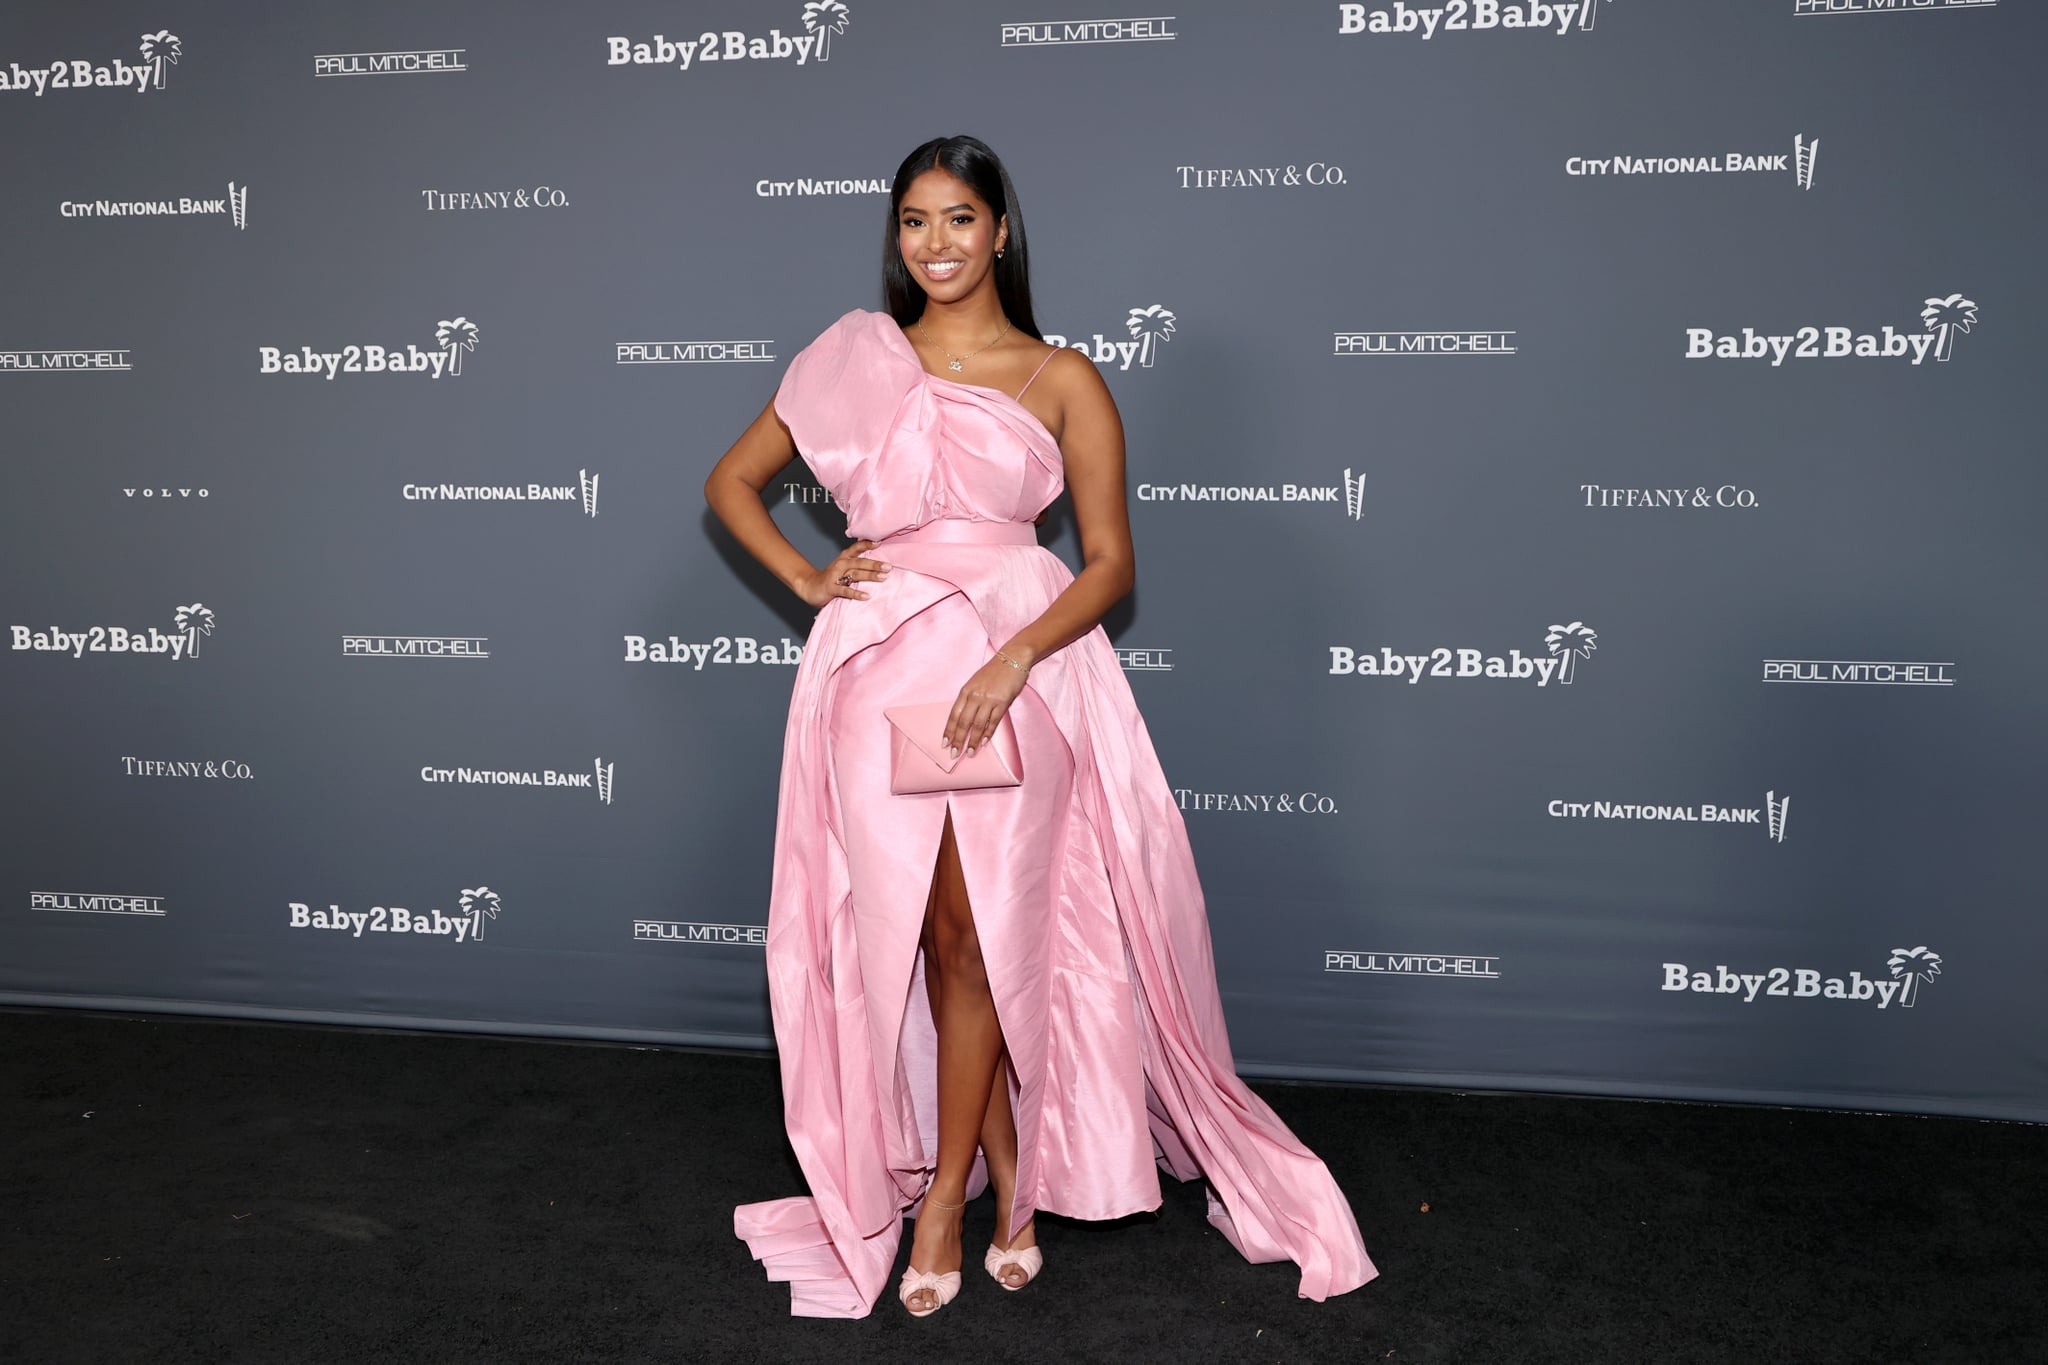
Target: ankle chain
{"type": "Point", "coordinates": [938, 1203]}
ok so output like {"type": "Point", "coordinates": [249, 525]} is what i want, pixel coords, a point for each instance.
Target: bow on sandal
{"type": "Point", "coordinates": [943, 1286]}
{"type": "Point", "coordinates": [1027, 1259]}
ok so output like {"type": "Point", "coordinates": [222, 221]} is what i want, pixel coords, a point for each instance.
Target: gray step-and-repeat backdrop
{"type": "Point", "coordinates": [1583, 462]}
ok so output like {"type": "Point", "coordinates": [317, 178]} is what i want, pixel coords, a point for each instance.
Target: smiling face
{"type": "Point", "coordinates": [948, 236]}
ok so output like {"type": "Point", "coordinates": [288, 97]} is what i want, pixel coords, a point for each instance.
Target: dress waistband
{"type": "Point", "coordinates": [960, 531]}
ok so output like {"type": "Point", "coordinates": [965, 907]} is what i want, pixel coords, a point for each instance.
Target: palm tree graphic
{"type": "Point", "coordinates": [1914, 965]}
{"type": "Point", "coordinates": [480, 902]}
{"type": "Point", "coordinates": [195, 620]}
{"type": "Point", "coordinates": [455, 337]}
{"type": "Point", "coordinates": [825, 18]}
{"type": "Point", "coordinates": [158, 48]}
{"type": "Point", "coordinates": [1574, 642]}
{"type": "Point", "coordinates": [1946, 317]}
{"type": "Point", "coordinates": [1150, 326]}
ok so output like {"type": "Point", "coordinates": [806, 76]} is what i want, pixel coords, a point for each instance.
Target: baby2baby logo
{"type": "Point", "coordinates": [1567, 644]}
{"type": "Point", "coordinates": [479, 906]}
{"type": "Point", "coordinates": [1150, 327]}
{"type": "Point", "coordinates": [159, 51]}
{"type": "Point", "coordinates": [1556, 17]}
{"type": "Point", "coordinates": [821, 20]}
{"type": "Point", "coordinates": [452, 337]}
{"type": "Point", "coordinates": [1908, 967]}
{"type": "Point", "coordinates": [194, 624]}
{"type": "Point", "coordinates": [1943, 320]}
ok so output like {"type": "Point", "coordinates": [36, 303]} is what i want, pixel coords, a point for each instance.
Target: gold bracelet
{"type": "Point", "coordinates": [1021, 668]}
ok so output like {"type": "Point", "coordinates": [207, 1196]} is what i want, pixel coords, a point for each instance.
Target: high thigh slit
{"type": "Point", "coordinates": [1081, 881]}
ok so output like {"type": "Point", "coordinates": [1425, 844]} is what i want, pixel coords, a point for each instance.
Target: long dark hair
{"type": "Point", "coordinates": [970, 159]}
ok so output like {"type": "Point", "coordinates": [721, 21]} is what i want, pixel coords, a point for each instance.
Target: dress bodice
{"type": "Point", "coordinates": [898, 446]}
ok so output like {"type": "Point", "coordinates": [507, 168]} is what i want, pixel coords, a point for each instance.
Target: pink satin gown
{"type": "Point", "coordinates": [1081, 880]}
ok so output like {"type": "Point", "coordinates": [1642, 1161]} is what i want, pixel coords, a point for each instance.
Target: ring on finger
{"type": "Point", "coordinates": [845, 580]}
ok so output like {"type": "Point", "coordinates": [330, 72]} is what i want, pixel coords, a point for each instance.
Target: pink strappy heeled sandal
{"type": "Point", "coordinates": [1027, 1259]}
{"type": "Point", "coordinates": [943, 1284]}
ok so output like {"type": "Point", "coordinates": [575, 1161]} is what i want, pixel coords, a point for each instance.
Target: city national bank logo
{"type": "Point", "coordinates": [477, 907]}
{"type": "Point", "coordinates": [88, 903]}
{"type": "Point", "coordinates": [1799, 163]}
{"type": "Point", "coordinates": [419, 61]}
{"type": "Point", "coordinates": [159, 51]}
{"type": "Point", "coordinates": [1556, 17]}
{"type": "Point", "coordinates": [598, 781]}
{"type": "Point", "coordinates": [1423, 343]}
{"type": "Point", "coordinates": [1351, 497]}
{"type": "Point", "coordinates": [1769, 817]}
{"type": "Point", "coordinates": [1567, 644]}
{"type": "Point", "coordinates": [1156, 28]}
{"type": "Point", "coordinates": [804, 189]}
{"type": "Point", "coordinates": [1803, 9]}
{"type": "Point", "coordinates": [1149, 327]}
{"type": "Point", "coordinates": [194, 624]}
{"type": "Point", "coordinates": [582, 493]}
{"type": "Point", "coordinates": [1861, 672]}
{"type": "Point", "coordinates": [235, 207]}
{"type": "Point", "coordinates": [452, 337]}
{"type": "Point", "coordinates": [822, 21]}
{"type": "Point", "coordinates": [1905, 971]}
{"type": "Point", "coordinates": [691, 931]}
{"type": "Point", "coordinates": [415, 647]}
{"type": "Point", "coordinates": [1443, 965]}
{"type": "Point", "coordinates": [1943, 320]}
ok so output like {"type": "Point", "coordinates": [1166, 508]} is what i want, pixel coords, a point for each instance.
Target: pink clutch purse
{"type": "Point", "coordinates": [920, 762]}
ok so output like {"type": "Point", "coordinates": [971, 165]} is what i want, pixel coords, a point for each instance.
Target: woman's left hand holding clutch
{"type": "Point", "coordinates": [983, 700]}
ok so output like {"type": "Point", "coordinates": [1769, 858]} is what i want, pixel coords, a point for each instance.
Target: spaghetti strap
{"type": "Point", "coordinates": [1035, 373]}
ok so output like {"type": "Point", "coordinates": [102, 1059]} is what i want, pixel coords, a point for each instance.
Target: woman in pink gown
{"type": "Point", "coordinates": [1006, 986]}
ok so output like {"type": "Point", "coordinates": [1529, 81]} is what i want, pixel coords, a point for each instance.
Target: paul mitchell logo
{"type": "Point", "coordinates": [1567, 644]}
{"type": "Point", "coordinates": [63, 362]}
{"type": "Point", "coordinates": [599, 780]}
{"type": "Point", "coordinates": [228, 769]}
{"type": "Point", "coordinates": [1148, 326]}
{"type": "Point", "coordinates": [235, 207]}
{"type": "Point", "coordinates": [1557, 17]}
{"type": "Point", "coordinates": [1727, 495]}
{"type": "Point", "coordinates": [1769, 817]}
{"type": "Point", "coordinates": [821, 20]}
{"type": "Point", "coordinates": [1944, 320]}
{"type": "Point", "coordinates": [467, 201]}
{"type": "Point", "coordinates": [88, 903]}
{"type": "Point", "coordinates": [1353, 496]}
{"type": "Point", "coordinates": [1423, 343]}
{"type": "Point", "coordinates": [693, 352]}
{"type": "Point", "coordinates": [1799, 162]}
{"type": "Point", "coordinates": [1860, 672]}
{"type": "Point", "coordinates": [1255, 803]}
{"type": "Point", "coordinates": [478, 907]}
{"type": "Point", "coordinates": [1808, 8]}
{"type": "Point", "coordinates": [1144, 660]}
{"type": "Point", "coordinates": [1258, 177]}
{"type": "Point", "coordinates": [1155, 29]}
{"type": "Point", "coordinates": [451, 338]}
{"type": "Point", "coordinates": [415, 647]}
{"type": "Point", "coordinates": [690, 931]}
{"type": "Point", "coordinates": [1907, 968]}
{"type": "Point", "coordinates": [419, 61]}
{"type": "Point", "coordinates": [583, 491]}
{"type": "Point", "coordinates": [723, 649]}
{"type": "Point", "coordinates": [1413, 964]}
{"type": "Point", "coordinates": [194, 623]}
{"type": "Point", "coordinates": [159, 51]}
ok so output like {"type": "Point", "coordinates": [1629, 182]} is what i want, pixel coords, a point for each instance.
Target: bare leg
{"type": "Point", "coordinates": [970, 1041]}
{"type": "Point", "coordinates": [999, 1147]}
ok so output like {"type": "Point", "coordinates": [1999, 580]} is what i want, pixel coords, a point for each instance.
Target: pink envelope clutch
{"type": "Point", "coordinates": [920, 762]}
